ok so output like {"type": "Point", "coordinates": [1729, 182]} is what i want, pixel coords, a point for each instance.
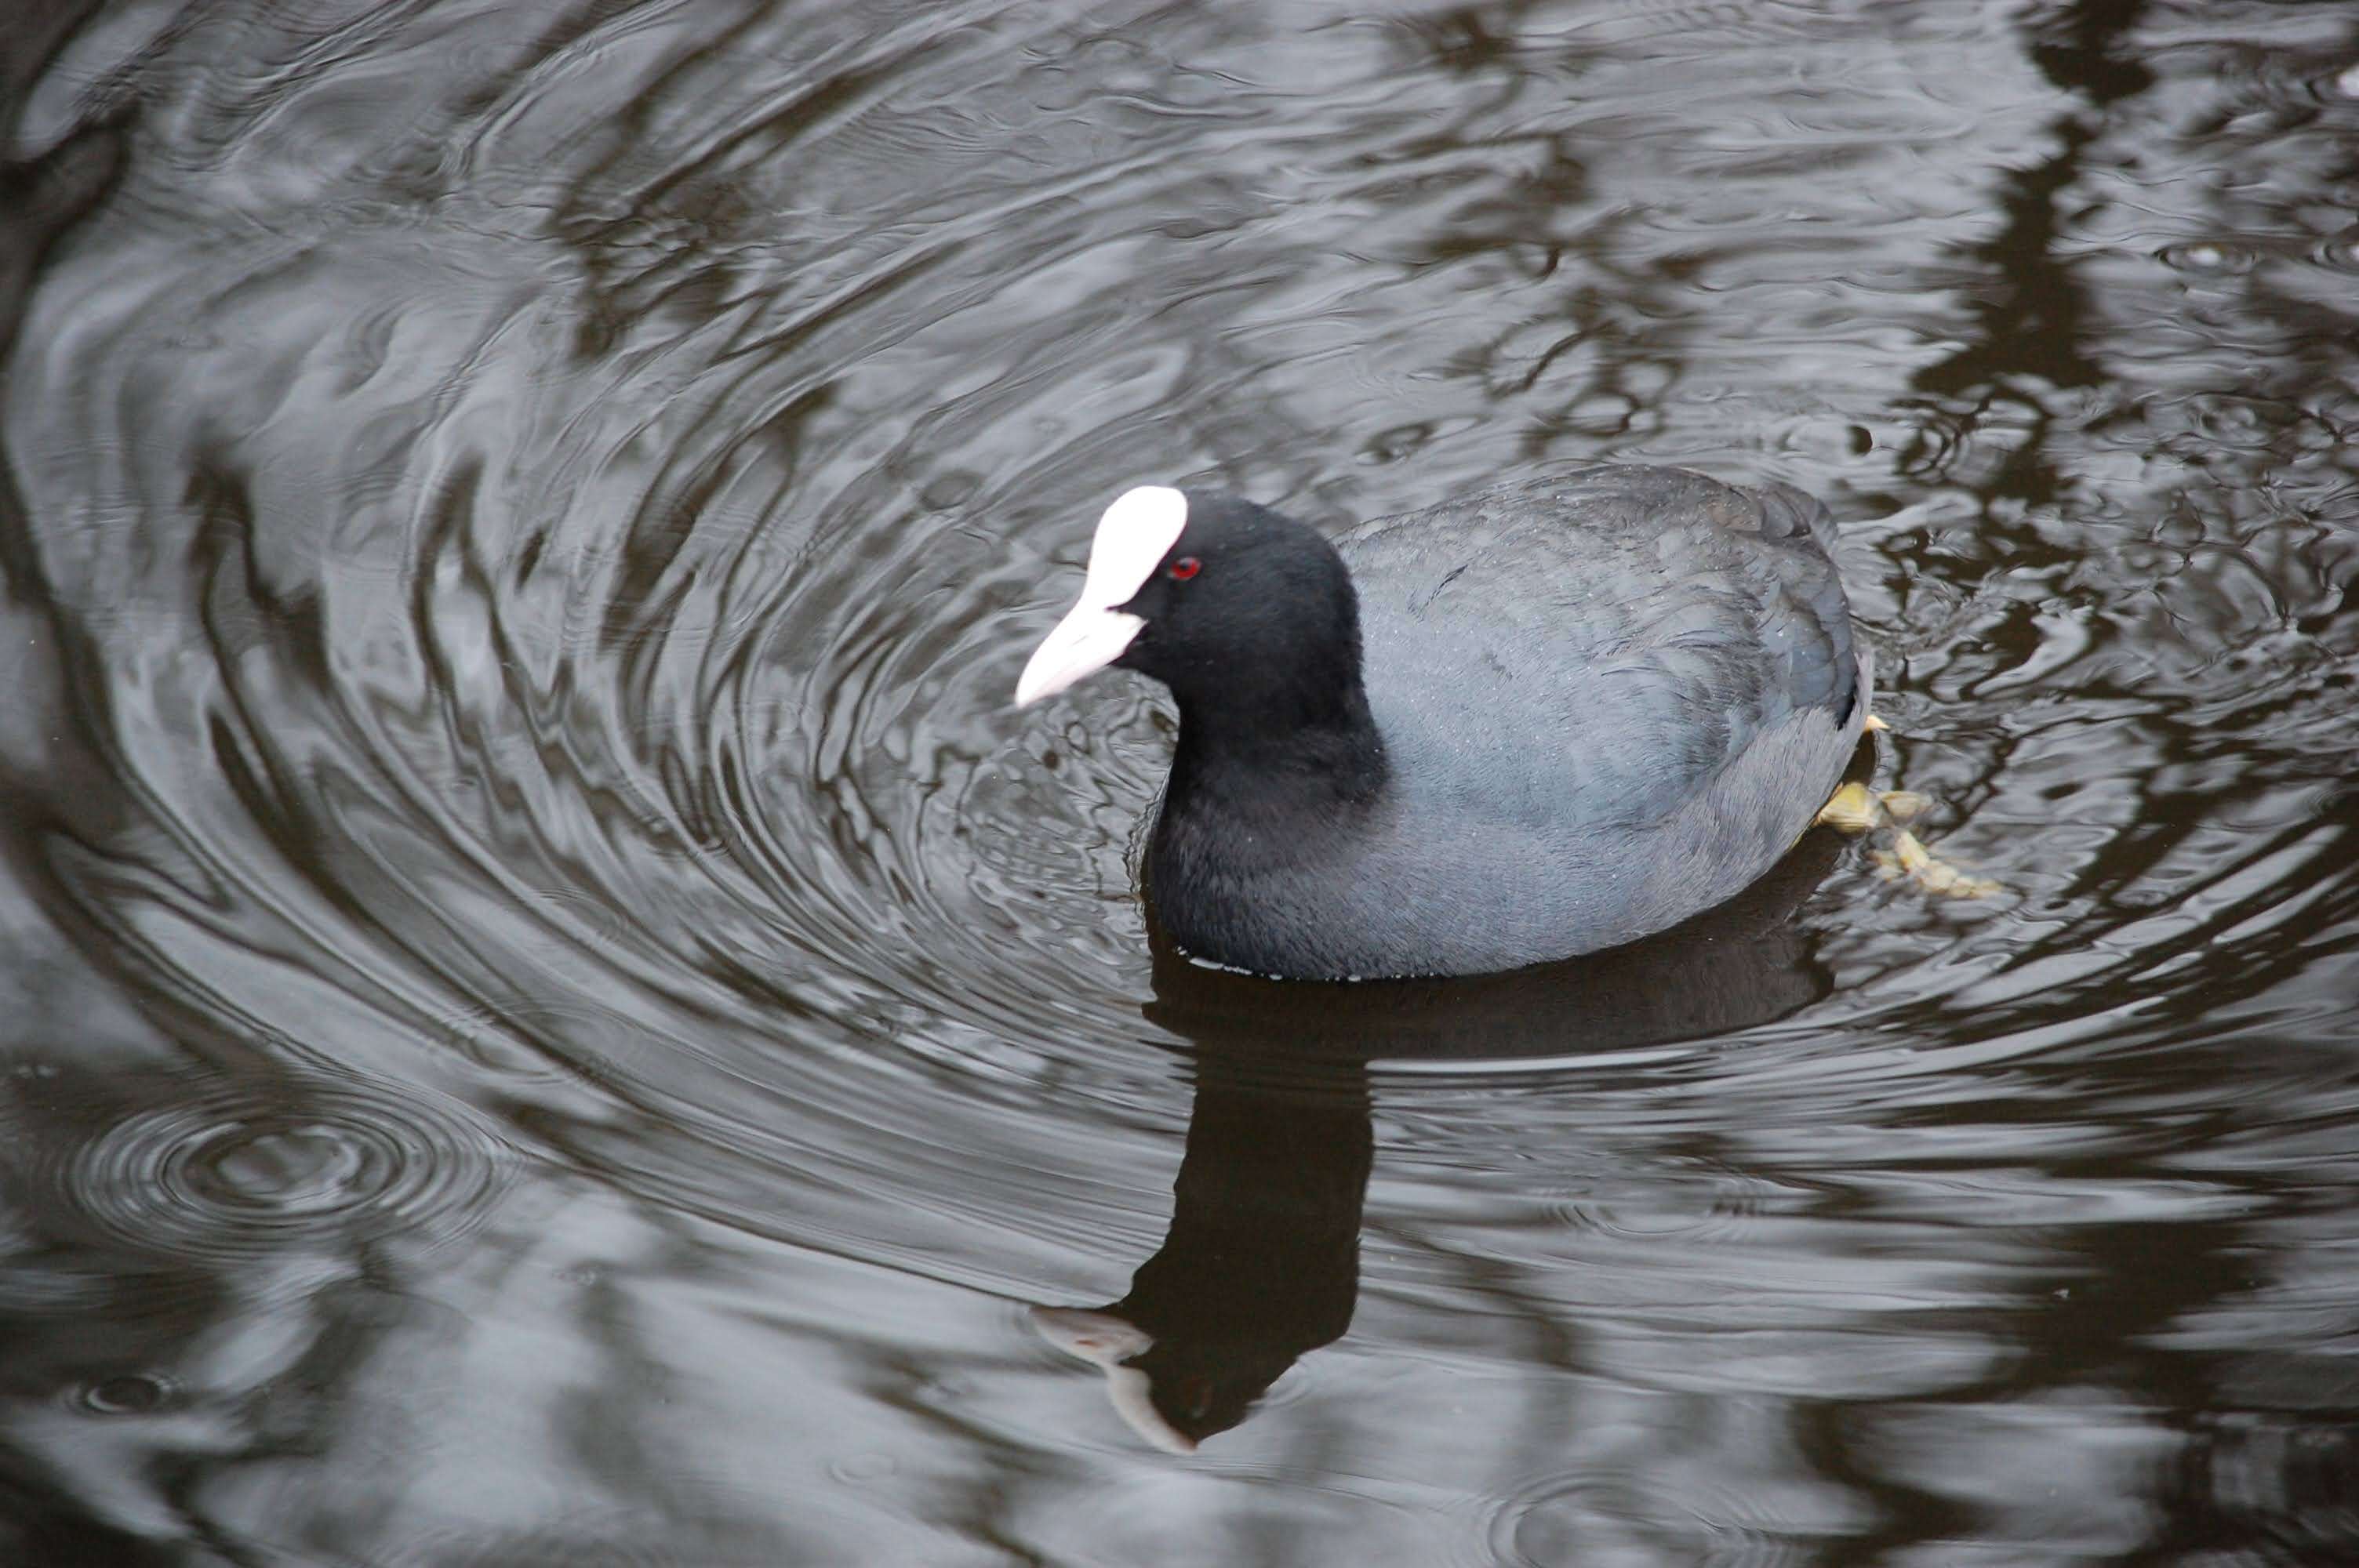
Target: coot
{"type": "Point", "coordinates": [1533, 723]}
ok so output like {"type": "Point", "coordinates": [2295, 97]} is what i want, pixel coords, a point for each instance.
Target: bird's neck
{"type": "Point", "coordinates": [1247, 758]}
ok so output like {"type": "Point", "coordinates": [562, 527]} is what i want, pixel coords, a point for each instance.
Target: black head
{"type": "Point", "coordinates": [1247, 609]}
{"type": "Point", "coordinates": [1249, 616]}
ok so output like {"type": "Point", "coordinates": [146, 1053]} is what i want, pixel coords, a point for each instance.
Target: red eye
{"type": "Point", "coordinates": [1183, 569]}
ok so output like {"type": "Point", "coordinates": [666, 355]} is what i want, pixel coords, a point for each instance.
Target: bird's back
{"type": "Point", "coordinates": [1610, 700]}
{"type": "Point", "coordinates": [1590, 650]}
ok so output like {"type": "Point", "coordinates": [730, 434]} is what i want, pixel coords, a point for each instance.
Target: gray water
{"type": "Point", "coordinates": [551, 1014]}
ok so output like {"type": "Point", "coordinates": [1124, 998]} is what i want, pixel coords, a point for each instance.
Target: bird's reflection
{"type": "Point", "coordinates": [1262, 1261]}
{"type": "Point", "coordinates": [1261, 1264]}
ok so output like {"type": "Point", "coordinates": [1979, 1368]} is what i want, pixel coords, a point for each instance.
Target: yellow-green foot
{"type": "Point", "coordinates": [1856, 808]}
{"type": "Point", "coordinates": [1908, 858]}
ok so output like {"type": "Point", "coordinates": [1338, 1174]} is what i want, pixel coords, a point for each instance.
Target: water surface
{"type": "Point", "coordinates": [554, 1014]}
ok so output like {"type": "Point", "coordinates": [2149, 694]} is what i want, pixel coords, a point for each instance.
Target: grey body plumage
{"type": "Point", "coordinates": [1607, 700]}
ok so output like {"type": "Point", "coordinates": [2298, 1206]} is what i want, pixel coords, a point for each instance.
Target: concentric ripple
{"type": "Point", "coordinates": [244, 1173]}
{"type": "Point", "coordinates": [126, 1393]}
{"type": "Point", "coordinates": [1617, 1521]}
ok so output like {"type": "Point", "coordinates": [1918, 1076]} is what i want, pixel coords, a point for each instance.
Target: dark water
{"type": "Point", "coordinates": [552, 1014]}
